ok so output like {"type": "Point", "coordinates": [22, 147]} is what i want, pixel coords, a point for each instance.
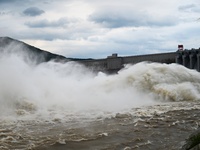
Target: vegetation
{"type": "Point", "coordinates": [192, 143]}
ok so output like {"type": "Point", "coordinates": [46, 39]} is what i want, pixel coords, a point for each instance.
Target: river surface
{"type": "Point", "coordinates": [163, 126]}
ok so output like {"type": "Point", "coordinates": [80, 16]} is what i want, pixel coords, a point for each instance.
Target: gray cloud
{"type": "Point", "coordinates": [135, 19]}
{"type": "Point", "coordinates": [33, 11]}
{"type": "Point", "coordinates": [186, 7]}
{"type": "Point", "coordinates": [156, 25]}
{"type": "Point", "coordinates": [7, 1]}
{"type": "Point", "coordinates": [3, 13]}
{"type": "Point", "coordinates": [189, 8]}
{"type": "Point", "coordinates": [46, 23]}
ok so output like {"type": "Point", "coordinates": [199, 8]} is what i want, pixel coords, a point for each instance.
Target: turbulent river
{"type": "Point", "coordinates": [59, 106]}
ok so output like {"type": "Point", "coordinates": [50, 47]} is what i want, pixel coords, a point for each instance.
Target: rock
{"type": "Point", "coordinates": [193, 142]}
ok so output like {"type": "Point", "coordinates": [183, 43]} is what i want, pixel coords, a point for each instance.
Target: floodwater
{"type": "Point", "coordinates": [57, 106]}
{"type": "Point", "coordinates": [152, 127]}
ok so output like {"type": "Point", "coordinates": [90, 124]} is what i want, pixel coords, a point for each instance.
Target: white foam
{"type": "Point", "coordinates": [56, 90]}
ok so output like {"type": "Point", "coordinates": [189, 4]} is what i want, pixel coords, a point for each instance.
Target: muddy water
{"type": "Point", "coordinates": [56, 106]}
{"type": "Point", "coordinates": [163, 126]}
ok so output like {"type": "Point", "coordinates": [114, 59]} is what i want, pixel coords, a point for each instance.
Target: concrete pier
{"type": "Point", "coordinates": [198, 62]}
{"type": "Point", "coordinates": [186, 60]}
{"type": "Point", "coordinates": [193, 60]}
{"type": "Point", "coordinates": [189, 58]}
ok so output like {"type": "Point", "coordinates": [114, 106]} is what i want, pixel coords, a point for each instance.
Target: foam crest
{"type": "Point", "coordinates": [166, 82]}
{"type": "Point", "coordinates": [53, 89]}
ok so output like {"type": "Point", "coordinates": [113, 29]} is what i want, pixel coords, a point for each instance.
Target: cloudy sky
{"type": "Point", "coordinates": [98, 28]}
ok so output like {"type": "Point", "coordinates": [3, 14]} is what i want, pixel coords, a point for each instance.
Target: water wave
{"type": "Point", "coordinates": [52, 89]}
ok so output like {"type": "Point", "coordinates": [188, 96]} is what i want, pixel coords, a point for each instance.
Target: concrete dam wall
{"type": "Point", "coordinates": [113, 63]}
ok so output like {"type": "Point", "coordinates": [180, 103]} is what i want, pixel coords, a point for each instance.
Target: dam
{"type": "Point", "coordinates": [113, 63]}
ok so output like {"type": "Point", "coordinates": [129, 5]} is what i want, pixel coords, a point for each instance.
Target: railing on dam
{"type": "Point", "coordinates": [187, 58]}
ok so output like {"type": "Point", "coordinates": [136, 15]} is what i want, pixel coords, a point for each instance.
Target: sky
{"type": "Point", "coordinates": [98, 28]}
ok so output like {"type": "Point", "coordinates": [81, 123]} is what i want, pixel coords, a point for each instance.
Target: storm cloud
{"type": "Point", "coordinates": [33, 11]}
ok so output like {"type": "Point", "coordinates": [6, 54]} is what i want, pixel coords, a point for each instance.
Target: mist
{"type": "Point", "coordinates": [52, 89]}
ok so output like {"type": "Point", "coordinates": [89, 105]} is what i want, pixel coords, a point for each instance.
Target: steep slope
{"type": "Point", "coordinates": [11, 46]}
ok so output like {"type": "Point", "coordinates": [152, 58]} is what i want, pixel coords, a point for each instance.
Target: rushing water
{"type": "Point", "coordinates": [66, 106]}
